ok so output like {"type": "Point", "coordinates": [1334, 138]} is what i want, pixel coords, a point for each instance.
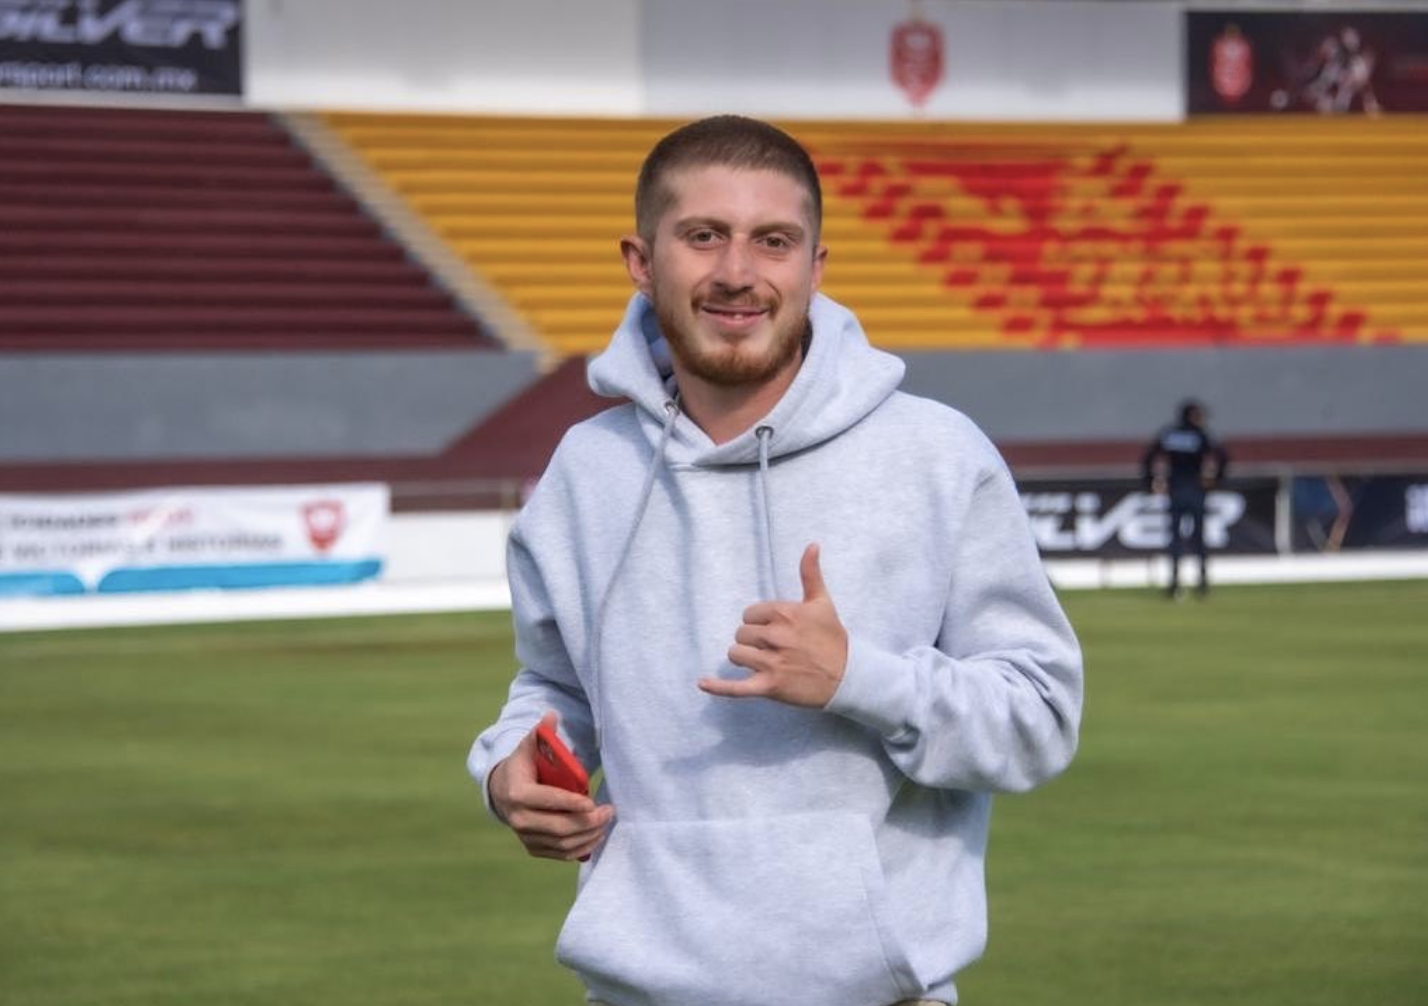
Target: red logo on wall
{"type": "Point", "coordinates": [916, 58]}
{"type": "Point", "coordinates": [1231, 65]}
{"type": "Point", "coordinates": [325, 520]}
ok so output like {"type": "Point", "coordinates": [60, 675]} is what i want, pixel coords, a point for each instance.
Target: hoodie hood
{"type": "Point", "coordinates": [842, 379]}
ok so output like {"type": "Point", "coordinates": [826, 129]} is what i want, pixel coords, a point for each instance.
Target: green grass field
{"type": "Point", "coordinates": [279, 814]}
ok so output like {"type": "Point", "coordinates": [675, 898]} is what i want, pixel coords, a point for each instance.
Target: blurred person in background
{"type": "Point", "coordinates": [1183, 463]}
{"type": "Point", "coordinates": [795, 616]}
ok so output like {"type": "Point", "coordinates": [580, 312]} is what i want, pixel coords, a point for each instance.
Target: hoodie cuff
{"type": "Point", "coordinates": [878, 689]}
{"type": "Point", "coordinates": [485, 757]}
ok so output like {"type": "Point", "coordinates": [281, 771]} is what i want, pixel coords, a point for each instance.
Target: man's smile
{"type": "Point", "coordinates": [734, 316]}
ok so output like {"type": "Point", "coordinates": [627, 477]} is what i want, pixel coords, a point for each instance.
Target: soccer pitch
{"type": "Point", "coordinates": [279, 813]}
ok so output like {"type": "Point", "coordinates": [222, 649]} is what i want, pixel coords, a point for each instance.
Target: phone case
{"type": "Point", "coordinates": [556, 766]}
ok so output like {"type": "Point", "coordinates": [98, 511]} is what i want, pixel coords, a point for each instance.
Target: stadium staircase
{"type": "Point", "coordinates": [1249, 231]}
{"type": "Point", "coordinates": [535, 206]}
{"type": "Point", "coordinates": [148, 230]}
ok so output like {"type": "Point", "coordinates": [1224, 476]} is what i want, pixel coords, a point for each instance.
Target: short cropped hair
{"type": "Point", "coordinates": [731, 141]}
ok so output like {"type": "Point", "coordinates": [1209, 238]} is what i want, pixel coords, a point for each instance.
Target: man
{"type": "Point", "coordinates": [796, 616]}
{"type": "Point", "coordinates": [1184, 463]}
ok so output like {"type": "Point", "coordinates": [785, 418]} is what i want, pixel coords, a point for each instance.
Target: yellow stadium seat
{"type": "Point", "coordinates": [965, 236]}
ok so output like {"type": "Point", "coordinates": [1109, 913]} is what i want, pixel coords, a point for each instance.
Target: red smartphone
{"type": "Point", "coordinates": [556, 766]}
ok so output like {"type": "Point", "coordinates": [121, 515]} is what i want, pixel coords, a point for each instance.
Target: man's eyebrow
{"type": "Point", "coordinates": [789, 227]}
{"type": "Point", "coordinates": [693, 223]}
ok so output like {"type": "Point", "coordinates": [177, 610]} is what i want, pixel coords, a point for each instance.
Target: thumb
{"type": "Point", "coordinates": [520, 764]}
{"type": "Point", "coordinates": [528, 742]}
{"type": "Point", "coordinates": [814, 589]}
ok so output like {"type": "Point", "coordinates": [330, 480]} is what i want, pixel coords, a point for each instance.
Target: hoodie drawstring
{"type": "Point", "coordinates": [765, 436]}
{"type": "Point", "coordinates": [671, 408]}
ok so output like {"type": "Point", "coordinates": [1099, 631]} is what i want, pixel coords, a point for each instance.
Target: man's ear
{"type": "Point", "coordinates": [637, 261]}
{"type": "Point", "coordinates": [820, 259]}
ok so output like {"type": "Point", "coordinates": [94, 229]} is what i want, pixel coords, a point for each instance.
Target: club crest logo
{"type": "Point", "coordinates": [916, 59]}
{"type": "Point", "coordinates": [1231, 65]}
{"type": "Point", "coordinates": [325, 521]}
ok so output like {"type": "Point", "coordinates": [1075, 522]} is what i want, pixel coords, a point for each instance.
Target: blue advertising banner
{"type": "Point", "coordinates": [1074, 519]}
{"type": "Point", "coordinates": [1335, 513]}
{"type": "Point", "coordinates": [122, 46]}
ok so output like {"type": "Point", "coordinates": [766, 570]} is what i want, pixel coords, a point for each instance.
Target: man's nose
{"type": "Point", "coordinates": [735, 269]}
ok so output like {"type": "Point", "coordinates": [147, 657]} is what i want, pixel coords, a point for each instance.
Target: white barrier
{"type": "Point", "coordinates": [455, 562]}
{"type": "Point", "coordinates": [1082, 574]}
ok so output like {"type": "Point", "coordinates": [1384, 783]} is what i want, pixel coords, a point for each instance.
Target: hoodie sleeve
{"type": "Point", "coordinates": [996, 704]}
{"type": "Point", "coordinates": [547, 679]}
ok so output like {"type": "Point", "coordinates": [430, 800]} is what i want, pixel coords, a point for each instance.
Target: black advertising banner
{"type": "Point", "coordinates": [1327, 62]}
{"type": "Point", "coordinates": [1334, 513]}
{"type": "Point", "coordinates": [1116, 519]}
{"type": "Point", "coordinates": [122, 46]}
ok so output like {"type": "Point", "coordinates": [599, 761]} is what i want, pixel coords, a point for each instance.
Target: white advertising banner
{"type": "Point", "coordinates": [964, 60]}
{"type": "Point", "coordinates": [191, 538]}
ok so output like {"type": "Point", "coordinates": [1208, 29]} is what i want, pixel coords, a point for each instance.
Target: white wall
{"type": "Point", "coordinates": [521, 56]}
{"type": "Point", "coordinates": [1005, 59]}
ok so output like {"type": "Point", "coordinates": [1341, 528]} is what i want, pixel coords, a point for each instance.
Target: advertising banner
{"type": "Point", "coordinates": [178, 539]}
{"type": "Point", "coordinates": [994, 60]}
{"type": "Point", "coordinates": [125, 46]}
{"type": "Point", "coordinates": [1119, 519]}
{"type": "Point", "coordinates": [1326, 62]}
{"type": "Point", "coordinates": [1332, 513]}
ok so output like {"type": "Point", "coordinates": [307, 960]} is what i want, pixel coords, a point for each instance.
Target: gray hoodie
{"type": "Point", "coordinates": [764, 853]}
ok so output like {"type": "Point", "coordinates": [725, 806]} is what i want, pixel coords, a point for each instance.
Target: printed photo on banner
{"type": "Point", "coordinates": [1334, 513]}
{"type": "Point", "coordinates": [1343, 62]}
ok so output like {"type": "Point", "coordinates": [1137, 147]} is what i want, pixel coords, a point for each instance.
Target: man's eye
{"type": "Point", "coordinates": [777, 242]}
{"type": "Point", "coordinates": [702, 237]}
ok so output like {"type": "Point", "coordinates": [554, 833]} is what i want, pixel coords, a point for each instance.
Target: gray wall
{"type": "Point", "coordinates": [1125, 395]}
{"type": "Point", "coordinates": [138, 407]}
{"type": "Point", "coordinates": [234, 406]}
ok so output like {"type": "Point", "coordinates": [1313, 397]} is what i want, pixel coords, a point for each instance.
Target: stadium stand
{"type": "Point", "coordinates": [535, 205]}
{"type": "Point", "coordinates": [126, 229]}
{"type": "Point", "coordinates": [950, 236]}
{"type": "Point", "coordinates": [148, 244]}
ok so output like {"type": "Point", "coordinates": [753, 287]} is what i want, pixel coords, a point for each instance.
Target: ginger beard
{"type": "Point", "coordinates": [734, 365]}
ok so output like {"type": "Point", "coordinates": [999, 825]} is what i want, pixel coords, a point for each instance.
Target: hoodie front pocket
{"type": "Point", "coordinates": [738, 913]}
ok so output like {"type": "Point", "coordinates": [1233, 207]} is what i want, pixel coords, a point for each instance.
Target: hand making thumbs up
{"type": "Point", "coordinates": [796, 650]}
